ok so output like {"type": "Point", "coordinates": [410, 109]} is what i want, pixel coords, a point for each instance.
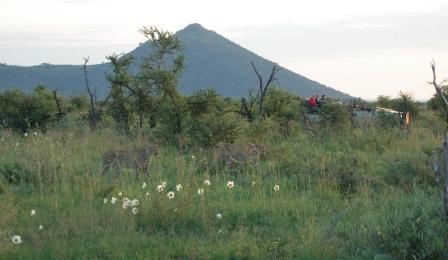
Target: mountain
{"type": "Point", "coordinates": [211, 61]}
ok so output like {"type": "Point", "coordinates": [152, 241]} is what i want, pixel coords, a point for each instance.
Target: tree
{"type": "Point", "coordinates": [440, 164]}
{"type": "Point", "coordinates": [161, 69]}
{"type": "Point", "coordinates": [94, 114]}
{"type": "Point", "coordinates": [120, 81]}
{"type": "Point", "coordinates": [384, 101]}
{"type": "Point", "coordinates": [209, 121]}
{"type": "Point", "coordinates": [263, 87]}
{"type": "Point", "coordinates": [405, 103]}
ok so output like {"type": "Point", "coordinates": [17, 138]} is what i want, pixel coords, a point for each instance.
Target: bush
{"type": "Point", "coordinates": [209, 122]}
{"type": "Point", "coordinates": [22, 112]}
{"type": "Point", "coordinates": [334, 114]}
{"type": "Point", "coordinates": [16, 174]}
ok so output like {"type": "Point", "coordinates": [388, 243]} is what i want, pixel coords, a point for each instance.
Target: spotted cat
{"type": "Point", "coordinates": [239, 154]}
{"type": "Point", "coordinates": [137, 159]}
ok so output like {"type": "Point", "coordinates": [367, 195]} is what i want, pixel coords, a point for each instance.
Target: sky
{"type": "Point", "coordinates": [361, 47]}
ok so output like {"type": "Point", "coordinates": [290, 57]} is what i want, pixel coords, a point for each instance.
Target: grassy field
{"type": "Point", "coordinates": [365, 193]}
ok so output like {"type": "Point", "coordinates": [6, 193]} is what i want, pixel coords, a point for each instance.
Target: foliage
{"type": "Point", "coordinates": [120, 107]}
{"type": "Point", "coordinates": [405, 103]}
{"type": "Point", "coordinates": [162, 69]}
{"type": "Point", "coordinates": [210, 123]}
{"type": "Point", "coordinates": [285, 107]}
{"type": "Point", "coordinates": [436, 103]}
{"type": "Point", "coordinates": [334, 114]}
{"type": "Point", "coordinates": [78, 103]}
{"type": "Point", "coordinates": [23, 112]}
{"type": "Point", "coordinates": [384, 101]}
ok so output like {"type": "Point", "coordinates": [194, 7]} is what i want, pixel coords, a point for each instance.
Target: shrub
{"type": "Point", "coordinates": [210, 123]}
{"type": "Point", "coordinates": [22, 112]}
{"type": "Point", "coordinates": [16, 174]}
{"type": "Point", "coordinates": [334, 114]}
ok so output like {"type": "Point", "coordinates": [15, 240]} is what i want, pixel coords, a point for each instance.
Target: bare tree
{"type": "Point", "coordinates": [440, 162]}
{"type": "Point", "coordinates": [93, 112]}
{"type": "Point", "coordinates": [263, 88]}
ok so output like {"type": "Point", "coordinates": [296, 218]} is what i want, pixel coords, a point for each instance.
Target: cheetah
{"type": "Point", "coordinates": [137, 159]}
{"type": "Point", "coordinates": [239, 154]}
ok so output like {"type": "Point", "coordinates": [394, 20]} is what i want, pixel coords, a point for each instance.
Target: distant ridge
{"type": "Point", "coordinates": [212, 61]}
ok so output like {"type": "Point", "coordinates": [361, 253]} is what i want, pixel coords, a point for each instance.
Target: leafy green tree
{"type": "Point", "coordinates": [405, 103]}
{"type": "Point", "coordinates": [209, 121]}
{"type": "Point", "coordinates": [384, 101]}
{"type": "Point", "coordinates": [120, 81]}
{"type": "Point", "coordinates": [161, 69]}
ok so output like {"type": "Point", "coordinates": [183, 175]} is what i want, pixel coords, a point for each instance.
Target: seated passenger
{"type": "Point", "coordinates": [322, 101]}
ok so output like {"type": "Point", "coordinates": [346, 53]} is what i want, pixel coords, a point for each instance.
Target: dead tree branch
{"type": "Point", "coordinates": [263, 88]}
{"type": "Point", "coordinates": [440, 159]}
{"type": "Point", "coordinates": [93, 113]}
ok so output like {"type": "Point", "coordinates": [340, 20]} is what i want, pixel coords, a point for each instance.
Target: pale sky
{"type": "Point", "coordinates": [364, 48]}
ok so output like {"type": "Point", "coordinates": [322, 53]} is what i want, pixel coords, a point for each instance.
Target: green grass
{"type": "Point", "coordinates": [353, 193]}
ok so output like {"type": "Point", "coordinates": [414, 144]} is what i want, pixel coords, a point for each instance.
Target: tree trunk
{"type": "Point", "coordinates": [444, 175]}
{"type": "Point", "coordinates": [93, 114]}
{"type": "Point", "coordinates": [60, 113]}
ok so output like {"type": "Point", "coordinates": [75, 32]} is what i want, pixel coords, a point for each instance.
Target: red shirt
{"type": "Point", "coordinates": [312, 102]}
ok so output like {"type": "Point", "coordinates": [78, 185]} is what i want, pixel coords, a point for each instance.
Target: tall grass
{"type": "Point", "coordinates": [354, 193]}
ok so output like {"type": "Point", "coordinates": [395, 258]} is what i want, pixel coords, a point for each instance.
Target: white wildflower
{"type": "Point", "coordinates": [33, 212]}
{"type": "Point", "coordinates": [16, 239]}
{"type": "Point", "coordinates": [113, 200]}
{"type": "Point", "coordinates": [253, 183]}
{"type": "Point", "coordinates": [120, 194]}
{"type": "Point", "coordinates": [41, 227]}
{"type": "Point", "coordinates": [160, 188]}
{"type": "Point", "coordinates": [170, 195]}
{"type": "Point", "coordinates": [144, 185]}
{"type": "Point", "coordinates": [200, 191]}
{"type": "Point", "coordinates": [193, 157]}
{"type": "Point", "coordinates": [134, 202]}
{"type": "Point", "coordinates": [164, 184]}
{"type": "Point", "coordinates": [207, 182]}
{"type": "Point", "coordinates": [219, 216]}
{"type": "Point", "coordinates": [178, 187]}
{"type": "Point", "coordinates": [128, 203]}
{"type": "Point", "coordinates": [147, 193]}
{"type": "Point", "coordinates": [25, 134]}
{"type": "Point", "coordinates": [35, 133]}
{"type": "Point", "coordinates": [276, 187]}
{"type": "Point", "coordinates": [135, 210]}
{"type": "Point", "coordinates": [104, 201]}
{"type": "Point", "coordinates": [230, 184]}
